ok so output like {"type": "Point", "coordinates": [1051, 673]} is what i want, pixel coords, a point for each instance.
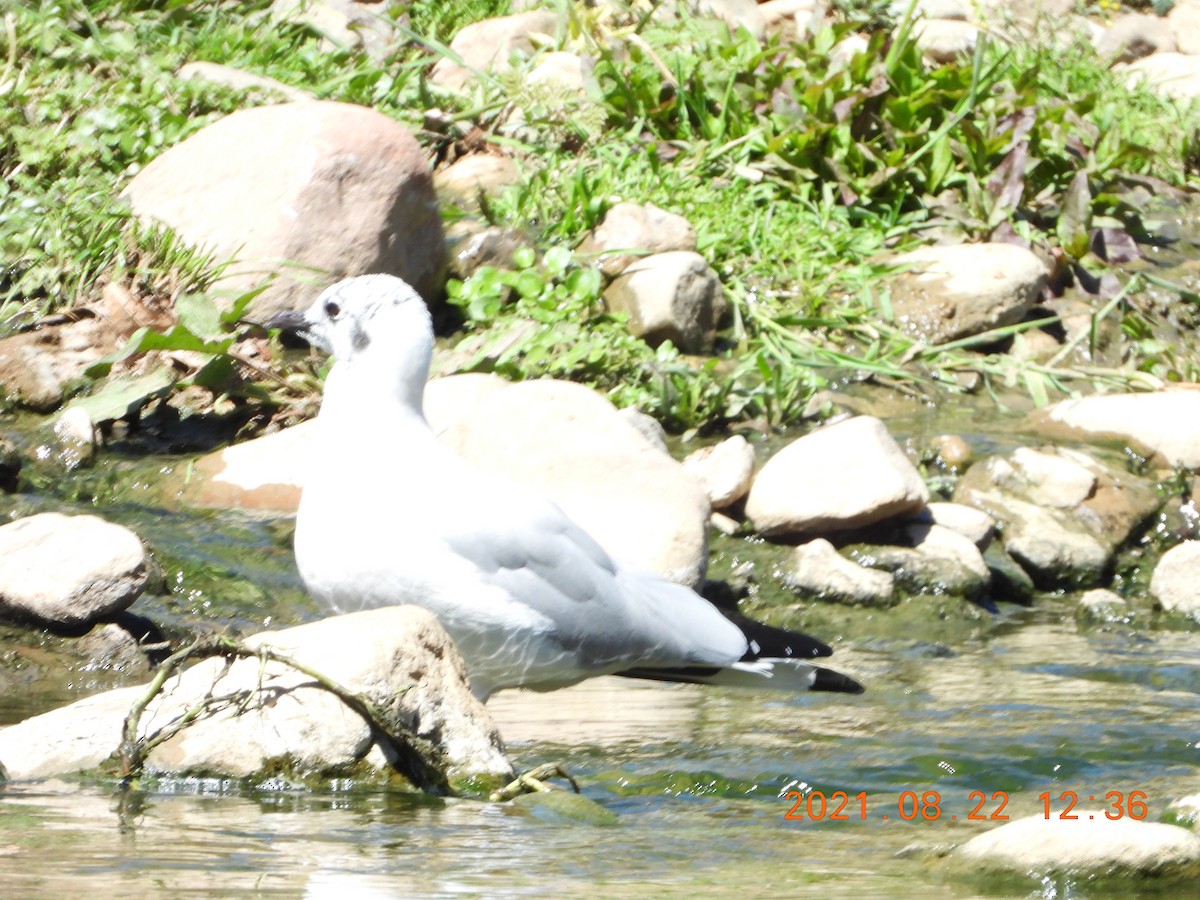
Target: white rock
{"type": "Point", "coordinates": [1053, 479]}
{"type": "Point", "coordinates": [818, 569]}
{"type": "Point", "coordinates": [479, 173]}
{"type": "Point", "coordinates": [398, 657]}
{"type": "Point", "coordinates": [1188, 807]}
{"type": "Point", "coordinates": [571, 444]}
{"type": "Point", "coordinates": [348, 24]}
{"type": "Point", "coordinates": [69, 570]}
{"type": "Point", "coordinates": [673, 296]}
{"type": "Point", "coordinates": [1133, 36]}
{"type": "Point", "coordinates": [639, 227]}
{"type": "Point", "coordinates": [489, 45]}
{"type": "Point", "coordinates": [1166, 423]}
{"type": "Point", "coordinates": [946, 40]}
{"type": "Point", "coordinates": [1176, 579]}
{"type": "Point", "coordinates": [1173, 75]}
{"type": "Point", "coordinates": [564, 71]}
{"type": "Point", "coordinates": [973, 524]}
{"type": "Point", "coordinates": [939, 542]}
{"type": "Point", "coordinates": [649, 427]}
{"type": "Point", "coordinates": [736, 13]}
{"type": "Point", "coordinates": [76, 436]}
{"type": "Point", "coordinates": [723, 470]}
{"type": "Point", "coordinates": [962, 290]}
{"type": "Point", "coordinates": [1101, 603]}
{"type": "Point", "coordinates": [341, 189]}
{"type": "Point", "coordinates": [227, 76]}
{"type": "Point", "coordinates": [1184, 20]}
{"type": "Point", "coordinates": [841, 476]}
{"type": "Point", "coordinates": [1091, 842]}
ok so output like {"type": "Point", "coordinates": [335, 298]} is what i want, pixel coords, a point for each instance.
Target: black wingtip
{"type": "Point", "coordinates": [829, 680]}
{"type": "Point", "coordinates": [767, 640]}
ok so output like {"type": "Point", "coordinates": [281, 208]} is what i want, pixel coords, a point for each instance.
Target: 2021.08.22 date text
{"type": "Point", "coordinates": [927, 806]}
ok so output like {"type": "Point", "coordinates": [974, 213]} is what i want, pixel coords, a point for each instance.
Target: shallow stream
{"type": "Point", "coordinates": [1000, 710]}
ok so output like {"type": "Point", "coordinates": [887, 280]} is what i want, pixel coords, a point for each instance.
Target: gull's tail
{"type": "Point", "coordinates": [776, 659]}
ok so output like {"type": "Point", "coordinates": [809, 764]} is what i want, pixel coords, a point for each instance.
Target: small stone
{"type": "Point", "coordinates": [953, 450]}
{"type": "Point", "coordinates": [69, 571]}
{"type": "Point", "coordinates": [973, 524]}
{"type": "Point", "coordinates": [1054, 480]}
{"type": "Point", "coordinates": [723, 470]}
{"type": "Point", "coordinates": [844, 475]}
{"type": "Point", "coordinates": [736, 13]}
{"type": "Point", "coordinates": [489, 45]}
{"type": "Point", "coordinates": [723, 523]}
{"type": "Point", "coordinates": [945, 40]}
{"type": "Point", "coordinates": [936, 561]}
{"type": "Point", "coordinates": [348, 24]}
{"type": "Point", "coordinates": [564, 71]}
{"type": "Point", "coordinates": [1103, 605]}
{"type": "Point", "coordinates": [472, 248]}
{"type": "Point", "coordinates": [635, 227]}
{"type": "Point", "coordinates": [1176, 580]}
{"type": "Point", "coordinates": [672, 296]}
{"type": "Point", "coordinates": [1090, 844]}
{"type": "Point", "coordinates": [471, 176]}
{"type": "Point", "coordinates": [227, 76]}
{"type": "Point", "coordinates": [76, 438]}
{"type": "Point", "coordinates": [818, 569]}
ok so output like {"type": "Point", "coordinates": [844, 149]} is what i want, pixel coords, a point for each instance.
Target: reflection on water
{"type": "Point", "coordinates": [696, 775]}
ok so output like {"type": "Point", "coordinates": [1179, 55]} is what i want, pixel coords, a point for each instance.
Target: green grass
{"type": "Point", "coordinates": [797, 175]}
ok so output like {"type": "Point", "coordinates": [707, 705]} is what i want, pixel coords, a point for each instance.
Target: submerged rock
{"type": "Point", "coordinates": [260, 715]}
{"type": "Point", "coordinates": [1091, 844]}
{"type": "Point", "coordinates": [840, 476]}
{"type": "Point", "coordinates": [69, 571]}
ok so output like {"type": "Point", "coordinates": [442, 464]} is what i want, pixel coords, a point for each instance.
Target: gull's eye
{"type": "Point", "coordinates": [332, 310]}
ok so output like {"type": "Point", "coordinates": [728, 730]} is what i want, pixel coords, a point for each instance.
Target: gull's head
{"type": "Point", "coordinates": [373, 325]}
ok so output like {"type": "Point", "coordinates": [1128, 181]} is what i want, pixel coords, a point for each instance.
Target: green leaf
{"type": "Point", "coordinates": [143, 340]}
{"type": "Point", "coordinates": [121, 398]}
{"type": "Point", "coordinates": [198, 313]}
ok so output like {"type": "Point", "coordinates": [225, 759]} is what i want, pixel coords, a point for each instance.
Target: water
{"type": "Point", "coordinates": [964, 711]}
{"type": "Point", "coordinates": [696, 776]}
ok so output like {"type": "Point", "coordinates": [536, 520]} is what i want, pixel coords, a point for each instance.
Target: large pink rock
{"type": "Point", "coordinates": [331, 187]}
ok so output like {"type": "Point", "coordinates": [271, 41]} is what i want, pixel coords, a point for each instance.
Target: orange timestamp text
{"type": "Point", "coordinates": [841, 806]}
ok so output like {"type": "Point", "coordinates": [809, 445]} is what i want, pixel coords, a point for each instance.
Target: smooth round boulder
{"type": "Point", "coordinates": [333, 188]}
{"type": "Point", "coordinates": [69, 571]}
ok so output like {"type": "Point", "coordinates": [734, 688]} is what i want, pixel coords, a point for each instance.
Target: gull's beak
{"type": "Point", "coordinates": [292, 321]}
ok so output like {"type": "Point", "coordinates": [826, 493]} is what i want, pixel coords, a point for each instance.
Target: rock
{"type": "Point", "coordinates": [562, 439]}
{"type": "Point", "coordinates": [958, 291]}
{"type": "Point", "coordinates": [1187, 808]}
{"type": "Point", "coordinates": [1165, 424]}
{"type": "Point", "coordinates": [475, 175]}
{"type": "Point", "coordinates": [930, 9]}
{"type": "Point", "coordinates": [1172, 75]}
{"type": "Point", "coordinates": [635, 227]}
{"type": "Point", "coordinates": [1104, 606]}
{"type": "Point", "coordinates": [973, 524]}
{"type": "Point", "coordinates": [723, 470]}
{"type": "Point", "coordinates": [818, 569]}
{"type": "Point", "coordinates": [1062, 514]}
{"type": "Point", "coordinates": [953, 451]}
{"type": "Point", "coordinates": [841, 476]}
{"type": "Point", "coordinates": [723, 523]}
{"type": "Point", "coordinates": [489, 45]}
{"type": "Point", "coordinates": [1090, 844]}
{"type": "Point", "coordinates": [69, 571]}
{"type": "Point", "coordinates": [334, 187]}
{"type": "Point", "coordinates": [945, 40]}
{"type": "Point", "coordinates": [1133, 36]}
{"type": "Point", "coordinates": [10, 465]}
{"type": "Point", "coordinates": [571, 444]}
{"type": "Point", "coordinates": [672, 296]}
{"type": "Point", "coordinates": [564, 72]}
{"type": "Point", "coordinates": [1010, 582]}
{"type": "Point", "coordinates": [1176, 580]}
{"type": "Point", "coordinates": [648, 426]}
{"type": "Point", "coordinates": [76, 438]}
{"type": "Point", "coordinates": [398, 658]}
{"type": "Point", "coordinates": [1184, 21]}
{"type": "Point", "coordinates": [736, 14]}
{"type": "Point", "coordinates": [794, 20]}
{"type": "Point", "coordinates": [37, 367]}
{"type": "Point", "coordinates": [472, 248]}
{"type": "Point", "coordinates": [348, 24]}
{"type": "Point", "coordinates": [227, 76]}
{"type": "Point", "coordinates": [935, 560]}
